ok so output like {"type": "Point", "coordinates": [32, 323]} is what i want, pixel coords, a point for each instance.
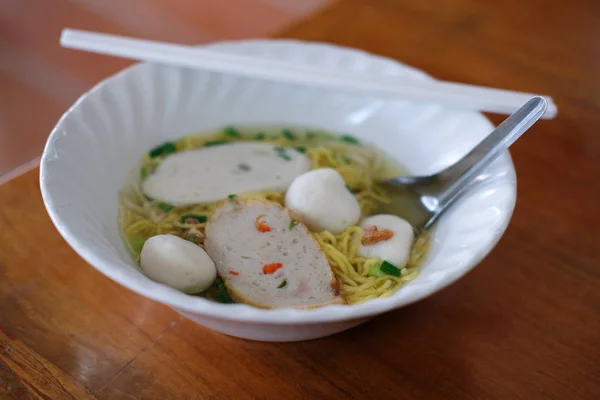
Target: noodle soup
{"type": "Point", "coordinates": [286, 173]}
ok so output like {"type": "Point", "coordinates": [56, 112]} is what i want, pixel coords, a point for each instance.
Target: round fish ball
{"type": "Point", "coordinates": [321, 199]}
{"type": "Point", "coordinates": [177, 263]}
{"type": "Point", "coordinates": [395, 250]}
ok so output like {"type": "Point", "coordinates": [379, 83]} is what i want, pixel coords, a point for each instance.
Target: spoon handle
{"type": "Point", "coordinates": [455, 178]}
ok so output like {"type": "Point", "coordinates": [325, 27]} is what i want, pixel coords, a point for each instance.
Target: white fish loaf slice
{"type": "Point", "coordinates": [266, 260]}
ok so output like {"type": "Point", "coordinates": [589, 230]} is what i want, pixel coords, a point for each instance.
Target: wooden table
{"type": "Point", "coordinates": [523, 325]}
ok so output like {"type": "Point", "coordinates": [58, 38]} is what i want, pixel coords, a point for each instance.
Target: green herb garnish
{"type": "Point", "coordinates": [244, 167]}
{"type": "Point", "coordinates": [293, 224]}
{"type": "Point", "coordinates": [385, 268]}
{"type": "Point", "coordinates": [143, 173]}
{"type": "Point", "coordinates": [148, 198]}
{"type": "Point", "coordinates": [288, 134]}
{"type": "Point", "coordinates": [232, 132]}
{"type": "Point", "coordinates": [282, 154]}
{"type": "Point", "coordinates": [260, 136]}
{"type": "Point", "coordinates": [166, 207]}
{"type": "Point", "coordinates": [137, 243]}
{"type": "Point", "coordinates": [223, 296]}
{"type": "Point", "coordinates": [375, 270]}
{"type": "Point", "coordinates": [349, 139]}
{"type": "Point", "coordinates": [192, 238]}
{"type": "Point", "coordinates": [348, 187]}
{"type": "Point", "coordinates": [301, 149]}
{"type": "Point", "coordinates": [282, 284]}
{"type": "Point", "coordinates": [199, 218]}
{"type": "Point", "coordinates": [232, 196]}
{"type": "Point", "coordinates": [215, 143]}
{"type": "Point", "coordinates": [389, 269]}
{"type": "Point", "coordinates": [163, 149]}
{"type": "Point", "coordinates": [311, 135]}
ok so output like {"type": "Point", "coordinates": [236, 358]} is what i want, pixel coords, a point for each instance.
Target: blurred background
{"type": "Point", "coordinates": [39, 80]}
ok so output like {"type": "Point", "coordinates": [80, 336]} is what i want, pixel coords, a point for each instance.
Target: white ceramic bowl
{"type": "Point", "coordinates": [103, 135]}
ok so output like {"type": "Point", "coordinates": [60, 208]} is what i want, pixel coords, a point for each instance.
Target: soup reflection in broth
{"type": "Point", "coordinates": [272, 218]}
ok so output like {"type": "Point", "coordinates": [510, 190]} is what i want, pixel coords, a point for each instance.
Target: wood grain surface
{"type": "Point", "coordinates": [525, 324]}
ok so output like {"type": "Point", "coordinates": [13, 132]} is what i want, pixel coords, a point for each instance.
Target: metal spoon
{"type": "Point", "coordinates": [422, 199]}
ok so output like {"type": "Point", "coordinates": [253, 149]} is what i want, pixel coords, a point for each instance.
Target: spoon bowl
{"type": "Point", "coordinates": [422, 199]}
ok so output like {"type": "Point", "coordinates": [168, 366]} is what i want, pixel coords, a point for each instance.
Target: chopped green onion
{"type": "Point", "coordinates": [232, 196]}
{"type": "Point", "coordinates": [288, 134]}
{"type": "Point", "coordinates": [282, 284]}
{"type": "Point", "coordinates": [165, 207]}
{"type": "Point", "coordinates": [311, 135]}
{"type": "Point", "coordinates": [199, 218]}
{"type": "Point", "coordinates": [163, 149]}
{"type": "Point", "coordinates": [375, 270]}
{"type": "Point", "coordinates": [349, 139]}
{"type": "Point", "coordinates": [260, 136]}
{"type": "Point", "coordinates": [192, 238]}
{"type": "Point", "coordinates": [293, 224]}
{"type": "Point", "coordinates": [148, 198]}
{"type": "Point", "coordinates": [385, 268]}
{"type": "Point", "coordinates": [215, 143]}
{"type": "Point", "coordinates": [389, 269]}
{"type": "Point", "coordinates": [282, 154]}
{"type": "Point", "coordinates": [301, 149]}
{"type": "Point", "coordinates": [137, 243]}
{"type": "Point", "coordinates": [349, 188]}
{"type": "Point", "coordinates": [223, 296]}
{"type": "Point", "coordinates": [244, 167]}
{"type": "Point", "coordinates": [143, 173]}
{"type": "Point", "coordinates": [232, 132]}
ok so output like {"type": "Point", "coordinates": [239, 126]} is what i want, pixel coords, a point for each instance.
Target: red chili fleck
{"type": "Point", "coordinates": [234, 272]}
{"type": "Point", "coordinates": [372, 235]}
{"type": "Point", "coordinates": [261, 226]}
{"type": "Point", "coordinates": [271, 268]}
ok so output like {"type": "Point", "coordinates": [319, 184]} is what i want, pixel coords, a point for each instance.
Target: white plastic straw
{"type": "Point", "coordinates": [455, 95]}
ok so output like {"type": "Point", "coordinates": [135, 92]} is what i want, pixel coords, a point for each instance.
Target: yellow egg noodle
{"type": "Point", "coordinates": [359, 165]}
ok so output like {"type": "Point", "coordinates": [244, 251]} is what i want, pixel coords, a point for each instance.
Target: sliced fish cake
{"type": "Point", "coordinates": [267, 259]}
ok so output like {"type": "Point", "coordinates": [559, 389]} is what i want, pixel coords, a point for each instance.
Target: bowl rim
{"type": "Point", "coordinates": [243, 312]}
